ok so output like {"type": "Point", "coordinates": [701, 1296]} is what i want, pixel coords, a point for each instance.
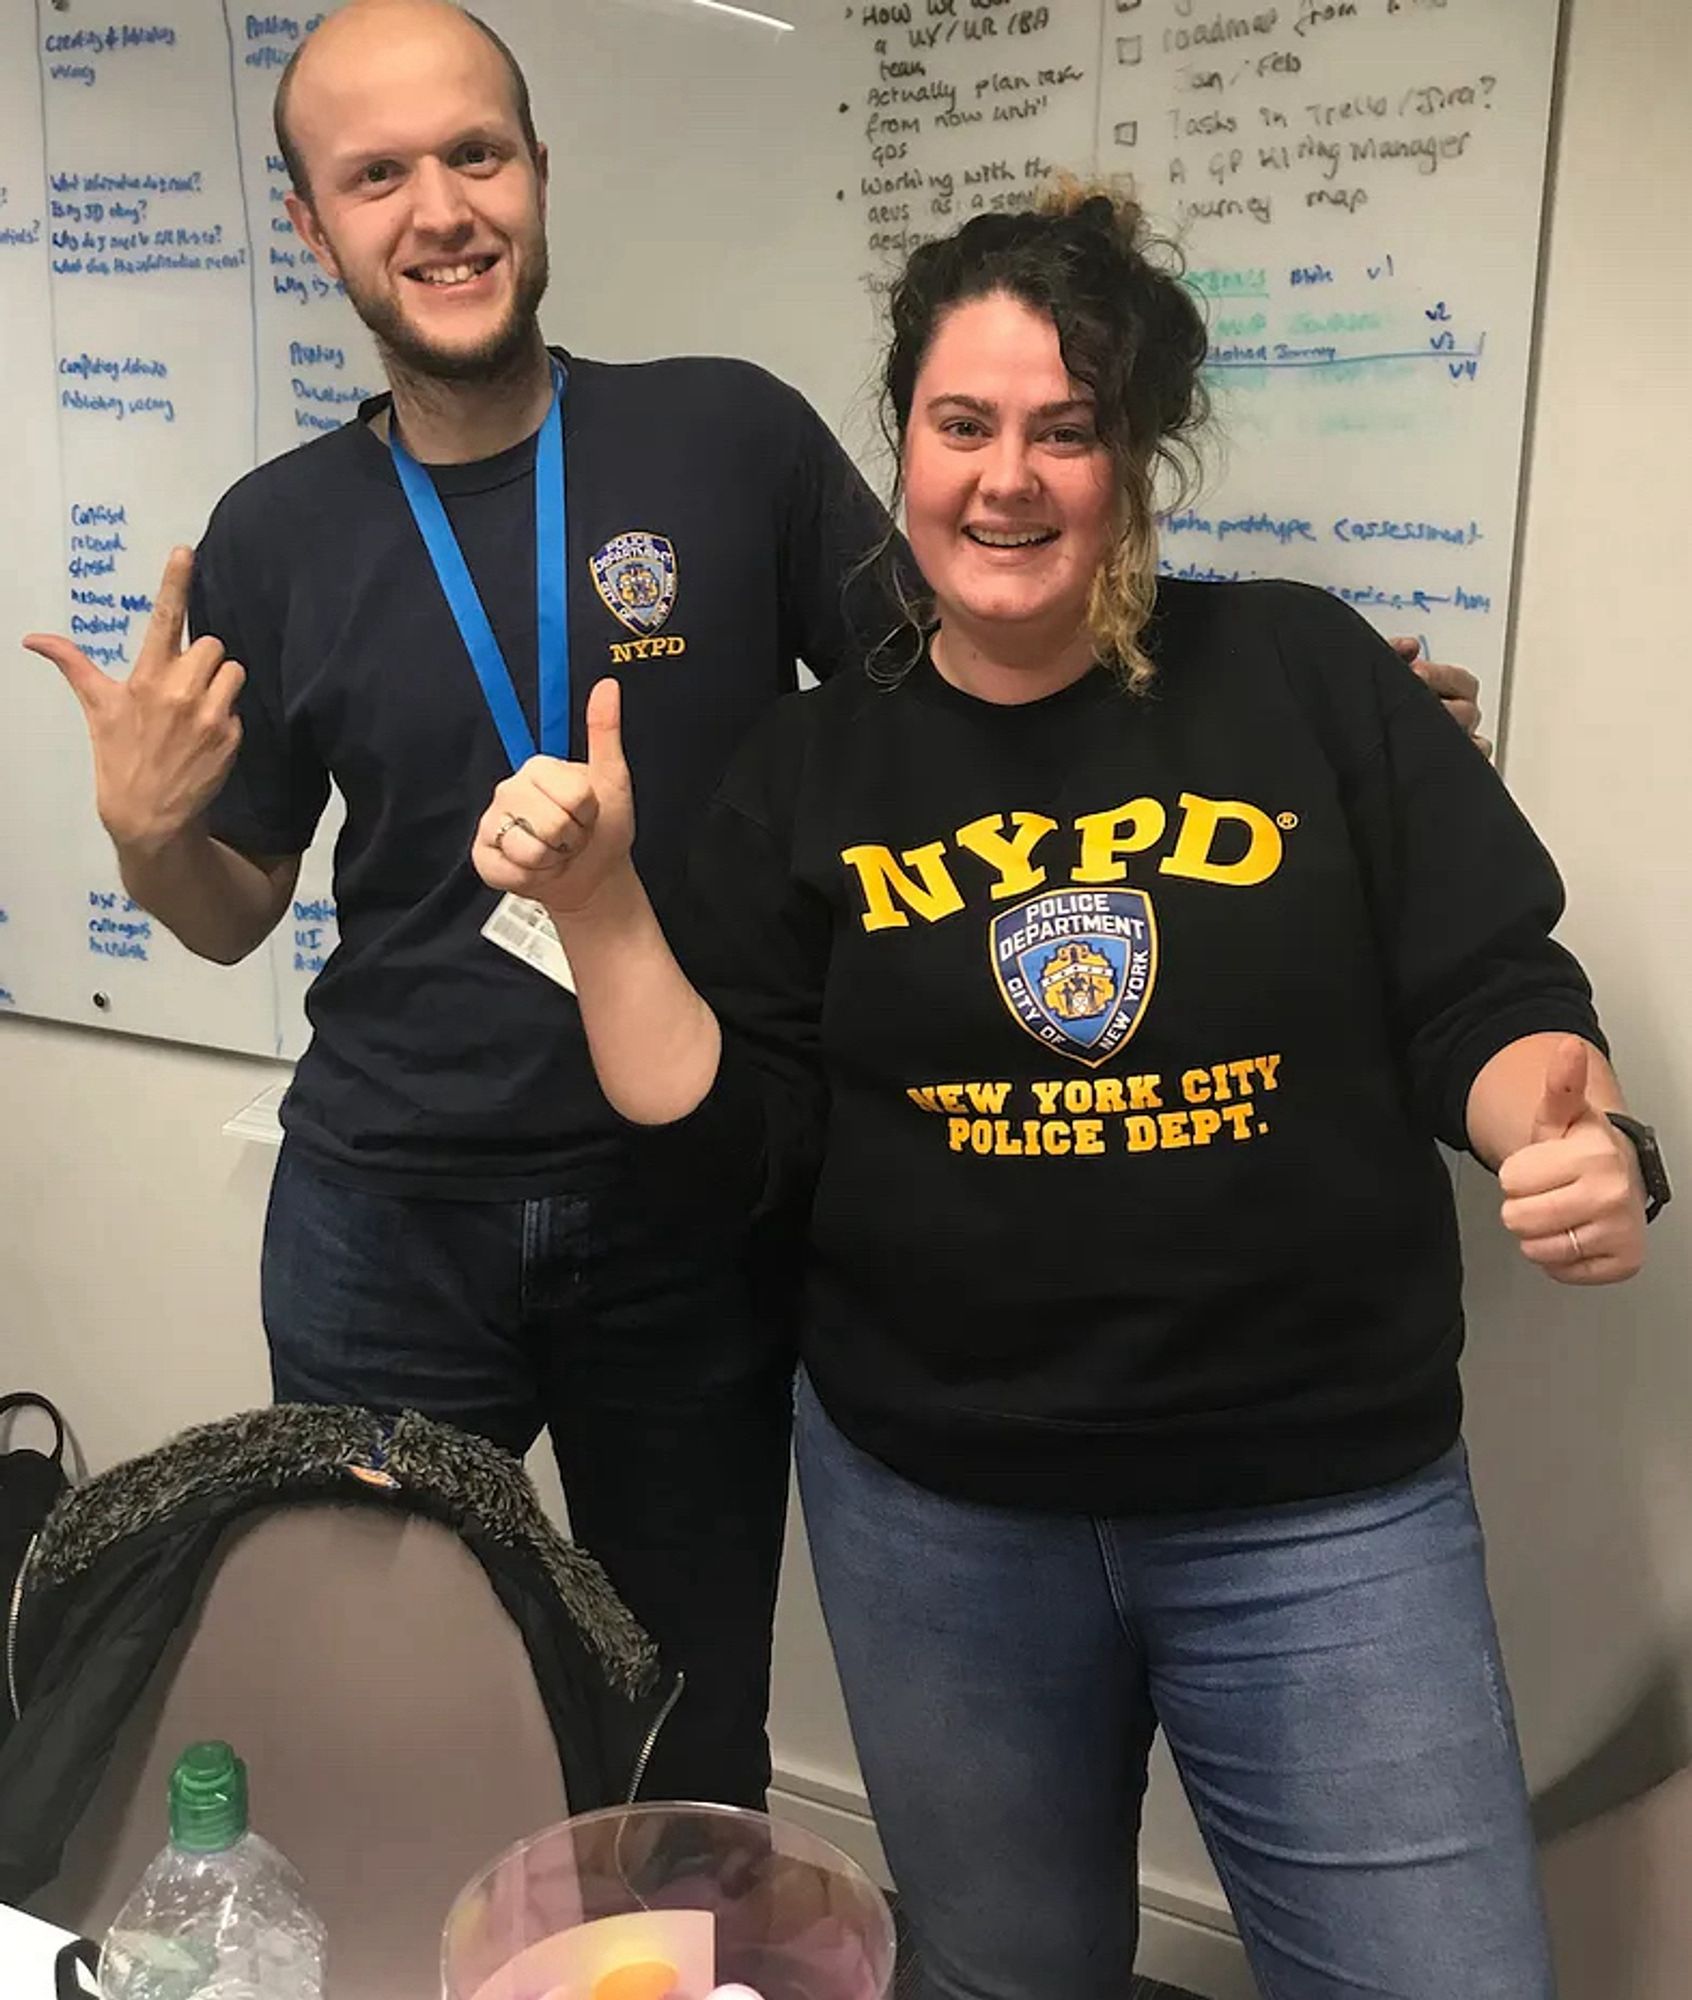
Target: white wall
{"type": "Point", "coordinates": [129, 1233]}
{"type": "Point", "coordinates": [129, 1227]}
{"type": "Point", "coordinates": [1583, 1406]}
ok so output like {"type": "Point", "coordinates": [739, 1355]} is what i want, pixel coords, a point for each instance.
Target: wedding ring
{"type": "Point", "coordinates": [1574, 1244]}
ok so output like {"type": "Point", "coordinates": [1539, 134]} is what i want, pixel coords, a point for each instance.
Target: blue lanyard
{"type": "Point", "coordinates": [552, 620]}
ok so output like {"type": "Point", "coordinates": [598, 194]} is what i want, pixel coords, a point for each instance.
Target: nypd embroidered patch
{"type": "Point", "coordinates": [1076, 967]}
{"type": "Point", "coordinates": [635, 575]}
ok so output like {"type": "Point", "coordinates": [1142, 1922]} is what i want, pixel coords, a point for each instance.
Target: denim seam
{"type": "Point", "coordinates": [1117, 1584]}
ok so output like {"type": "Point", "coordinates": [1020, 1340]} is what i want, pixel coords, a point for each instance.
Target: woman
{"type": "Point", "coordinates": [1115, 968]}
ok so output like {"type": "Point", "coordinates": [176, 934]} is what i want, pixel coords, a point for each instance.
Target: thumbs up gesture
{"type": "Point", "coordinates": [558, 831]}
{"type": "Point", "coordinates": [163, 739]}
{"type": "Point", "coordinates": [1573, 1200]}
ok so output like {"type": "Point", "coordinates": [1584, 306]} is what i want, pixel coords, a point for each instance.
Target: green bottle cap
{"type": "Point", "coordinates": [208, 1799]}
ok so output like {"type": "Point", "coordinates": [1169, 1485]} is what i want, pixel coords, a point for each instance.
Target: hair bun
{"type": "Point", "coordinates": [1098, 212]}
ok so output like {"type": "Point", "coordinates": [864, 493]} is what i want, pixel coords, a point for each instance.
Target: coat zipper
{"type": "Point", "coordinates": [651, 1743]}
{"type": "Point", "coordinates": [14, 1619]}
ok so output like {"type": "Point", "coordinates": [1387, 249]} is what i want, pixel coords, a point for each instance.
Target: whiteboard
{"type": "Point", "coordinates": [1357, 186]}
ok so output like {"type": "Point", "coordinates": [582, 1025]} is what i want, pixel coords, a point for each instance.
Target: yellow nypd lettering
{"type": "Point", "coordinates": [1225, 842]}
{"type": "Point", "coordinates": [665, 645]}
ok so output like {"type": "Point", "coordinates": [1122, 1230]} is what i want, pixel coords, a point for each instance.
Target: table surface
{"type": "Point", "coordinates": [28, 1949]}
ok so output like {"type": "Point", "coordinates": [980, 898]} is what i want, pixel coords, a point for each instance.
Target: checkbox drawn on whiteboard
{"type": "Point", "coordinates": [1128, 132]}
{"type": "Point", "coordinates": [1129, 49]}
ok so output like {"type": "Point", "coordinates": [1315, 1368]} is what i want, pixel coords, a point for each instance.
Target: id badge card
{"type": "Point", "coordinates": [523, 928]}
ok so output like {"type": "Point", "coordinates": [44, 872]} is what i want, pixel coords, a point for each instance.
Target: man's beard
{"type": "Point", "coordinates": [408, 351]}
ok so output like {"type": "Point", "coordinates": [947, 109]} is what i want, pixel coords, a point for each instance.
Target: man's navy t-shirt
{"type": "Point", "coordinates": [439, 1064]}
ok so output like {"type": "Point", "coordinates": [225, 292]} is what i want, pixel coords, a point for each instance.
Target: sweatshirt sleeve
{"type": "Point", "coordinates": [755, 941]}
{"type": "Point", "coordinates": [1464, 897]}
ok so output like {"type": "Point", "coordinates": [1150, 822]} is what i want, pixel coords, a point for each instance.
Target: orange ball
{"type": "Point", "coordinates": [648, 1980]}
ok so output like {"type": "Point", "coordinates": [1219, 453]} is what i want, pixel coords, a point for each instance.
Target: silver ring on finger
{"type": "Point", "coordinates": [515, 819]}
{"type": "Point", "coordinates": [1579, 1255]}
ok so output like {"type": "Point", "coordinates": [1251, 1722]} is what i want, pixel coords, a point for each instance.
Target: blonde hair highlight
{"type": "Point", "coordinates": [1124, 588]}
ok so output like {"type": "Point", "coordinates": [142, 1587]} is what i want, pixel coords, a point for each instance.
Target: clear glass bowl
{"type": "Point", "coordinates": [791, 1917]}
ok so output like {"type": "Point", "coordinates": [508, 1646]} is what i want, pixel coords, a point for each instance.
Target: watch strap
{"type": "Point", "coordinates": [1652, 1170]}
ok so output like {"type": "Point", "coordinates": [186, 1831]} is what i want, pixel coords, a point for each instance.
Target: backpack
{"type": "Point", "coordinates": [31, 1484]}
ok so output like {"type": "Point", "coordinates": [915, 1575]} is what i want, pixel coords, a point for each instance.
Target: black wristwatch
{"type": "Point", "coordinates": [1658, 1193]}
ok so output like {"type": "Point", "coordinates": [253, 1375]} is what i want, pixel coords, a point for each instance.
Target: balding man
{"type": "Point", "coordinates": [420, 600]}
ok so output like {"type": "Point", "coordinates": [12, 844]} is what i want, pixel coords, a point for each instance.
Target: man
{"type": "Point", "coordinates": [453, 1225]}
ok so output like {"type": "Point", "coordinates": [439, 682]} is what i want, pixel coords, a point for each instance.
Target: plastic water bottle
{"type": "Point", "coordinates": [219, 1915]}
